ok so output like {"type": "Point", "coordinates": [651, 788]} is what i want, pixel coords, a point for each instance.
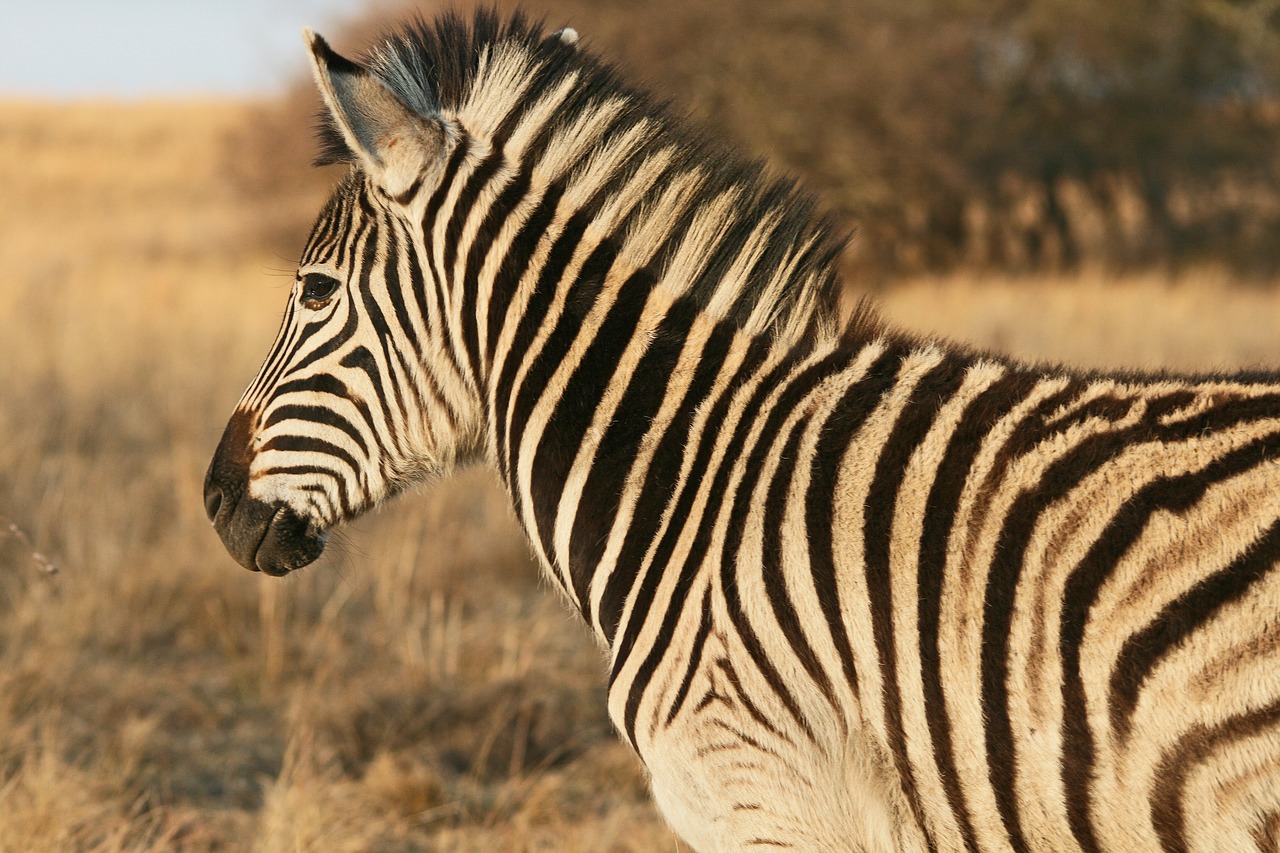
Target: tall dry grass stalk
{"type": "Point", "coordinates": [12, 530]}
{"type": "Point", "coordinates": [420, 689]}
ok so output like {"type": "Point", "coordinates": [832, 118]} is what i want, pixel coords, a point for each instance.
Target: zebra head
{"type": "Point", "coordinates": [359, 395]}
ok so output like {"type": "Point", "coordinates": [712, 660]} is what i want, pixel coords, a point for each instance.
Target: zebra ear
{"type": "Point", "coordinates": [392, 142]}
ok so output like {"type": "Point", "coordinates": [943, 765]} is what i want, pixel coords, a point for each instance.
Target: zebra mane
{"type": "Point", "coordinates": [749, 247]}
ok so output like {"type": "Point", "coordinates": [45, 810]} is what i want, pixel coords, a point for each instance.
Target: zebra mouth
{"type": "Point", "coordinates": [289, 542]}
{"type": "Point", "coordinates": [263, 537]}
{"type": "Point", "coordinates": [267, 538]}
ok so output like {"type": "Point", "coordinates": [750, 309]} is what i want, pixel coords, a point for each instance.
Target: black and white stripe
{"type": "Point", "coordinates": [859, 591]}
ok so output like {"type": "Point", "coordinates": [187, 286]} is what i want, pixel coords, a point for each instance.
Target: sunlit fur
{"type": "Point", "coordinates": [858, 591]}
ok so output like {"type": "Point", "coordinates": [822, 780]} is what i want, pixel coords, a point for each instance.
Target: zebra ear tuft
{"type": "Point", "coordinates": [392, 143]}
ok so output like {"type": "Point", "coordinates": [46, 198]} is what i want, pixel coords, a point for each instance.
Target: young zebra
{"type": "Point", "coordinates": [859, 591]}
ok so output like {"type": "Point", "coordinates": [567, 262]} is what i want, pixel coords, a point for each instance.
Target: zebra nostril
{"type": "Point", "coordinates": [228, 475]}
{"type": "Point", "coordinates": [212, 501]}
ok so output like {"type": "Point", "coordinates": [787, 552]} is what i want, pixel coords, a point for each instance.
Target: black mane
{"type": "Point", "coordinates": [432, 68]}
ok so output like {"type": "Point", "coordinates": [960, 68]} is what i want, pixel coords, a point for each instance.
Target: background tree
{"type": "Point", "coordinates": [1011, 133]}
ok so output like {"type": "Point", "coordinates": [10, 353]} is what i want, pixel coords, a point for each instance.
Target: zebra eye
{"type": "Point", "coordinates": [317, 287]}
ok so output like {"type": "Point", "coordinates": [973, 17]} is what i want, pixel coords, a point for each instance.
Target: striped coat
{"type": "Point", "coordinates": [1039, 605]}
{"type": "Point", "coordinates": [858, 591]}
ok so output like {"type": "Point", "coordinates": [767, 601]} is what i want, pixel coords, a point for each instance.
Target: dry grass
{"type": "Point", "coordinates": [420, 689]}
{"type": "Point", "coordinates": [417, 691]}
{"type": "Point", "coordinates": [1194, 321]}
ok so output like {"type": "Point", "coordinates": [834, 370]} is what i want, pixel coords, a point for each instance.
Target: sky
{"type": "Point", "coordinates": [150, 48]}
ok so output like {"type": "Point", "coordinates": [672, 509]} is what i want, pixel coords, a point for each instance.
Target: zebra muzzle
{"type": "Point", "coordinates": [289, 542]}
{"type": "Point", "coordinates": [263, 537]}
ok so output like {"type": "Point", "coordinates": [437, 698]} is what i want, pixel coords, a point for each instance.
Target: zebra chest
{"type": "Point", "coordinates": [735, 764]}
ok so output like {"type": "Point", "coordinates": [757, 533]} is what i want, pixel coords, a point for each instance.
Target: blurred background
{"type": "Point", "coordinates": [1067, 180]}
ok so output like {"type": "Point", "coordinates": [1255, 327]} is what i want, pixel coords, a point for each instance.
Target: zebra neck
{"type": "Point", "coordinates": [588, 430]}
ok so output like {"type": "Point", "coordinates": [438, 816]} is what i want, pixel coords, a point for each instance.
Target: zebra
{"type": "Point", "coordinates": [858, 590]}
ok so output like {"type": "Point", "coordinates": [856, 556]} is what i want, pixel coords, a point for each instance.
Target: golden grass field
{"type": "Point", "coordinates": [421, 688]}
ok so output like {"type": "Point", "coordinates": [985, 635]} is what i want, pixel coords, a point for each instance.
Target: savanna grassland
{"type": "Point", "coordinates": [416, 691]}
{"type": "Point", "coordinates": [420, 688]}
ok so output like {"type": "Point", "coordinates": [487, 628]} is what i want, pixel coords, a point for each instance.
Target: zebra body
{"type": "Point", "coordinates": [858, 591]}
